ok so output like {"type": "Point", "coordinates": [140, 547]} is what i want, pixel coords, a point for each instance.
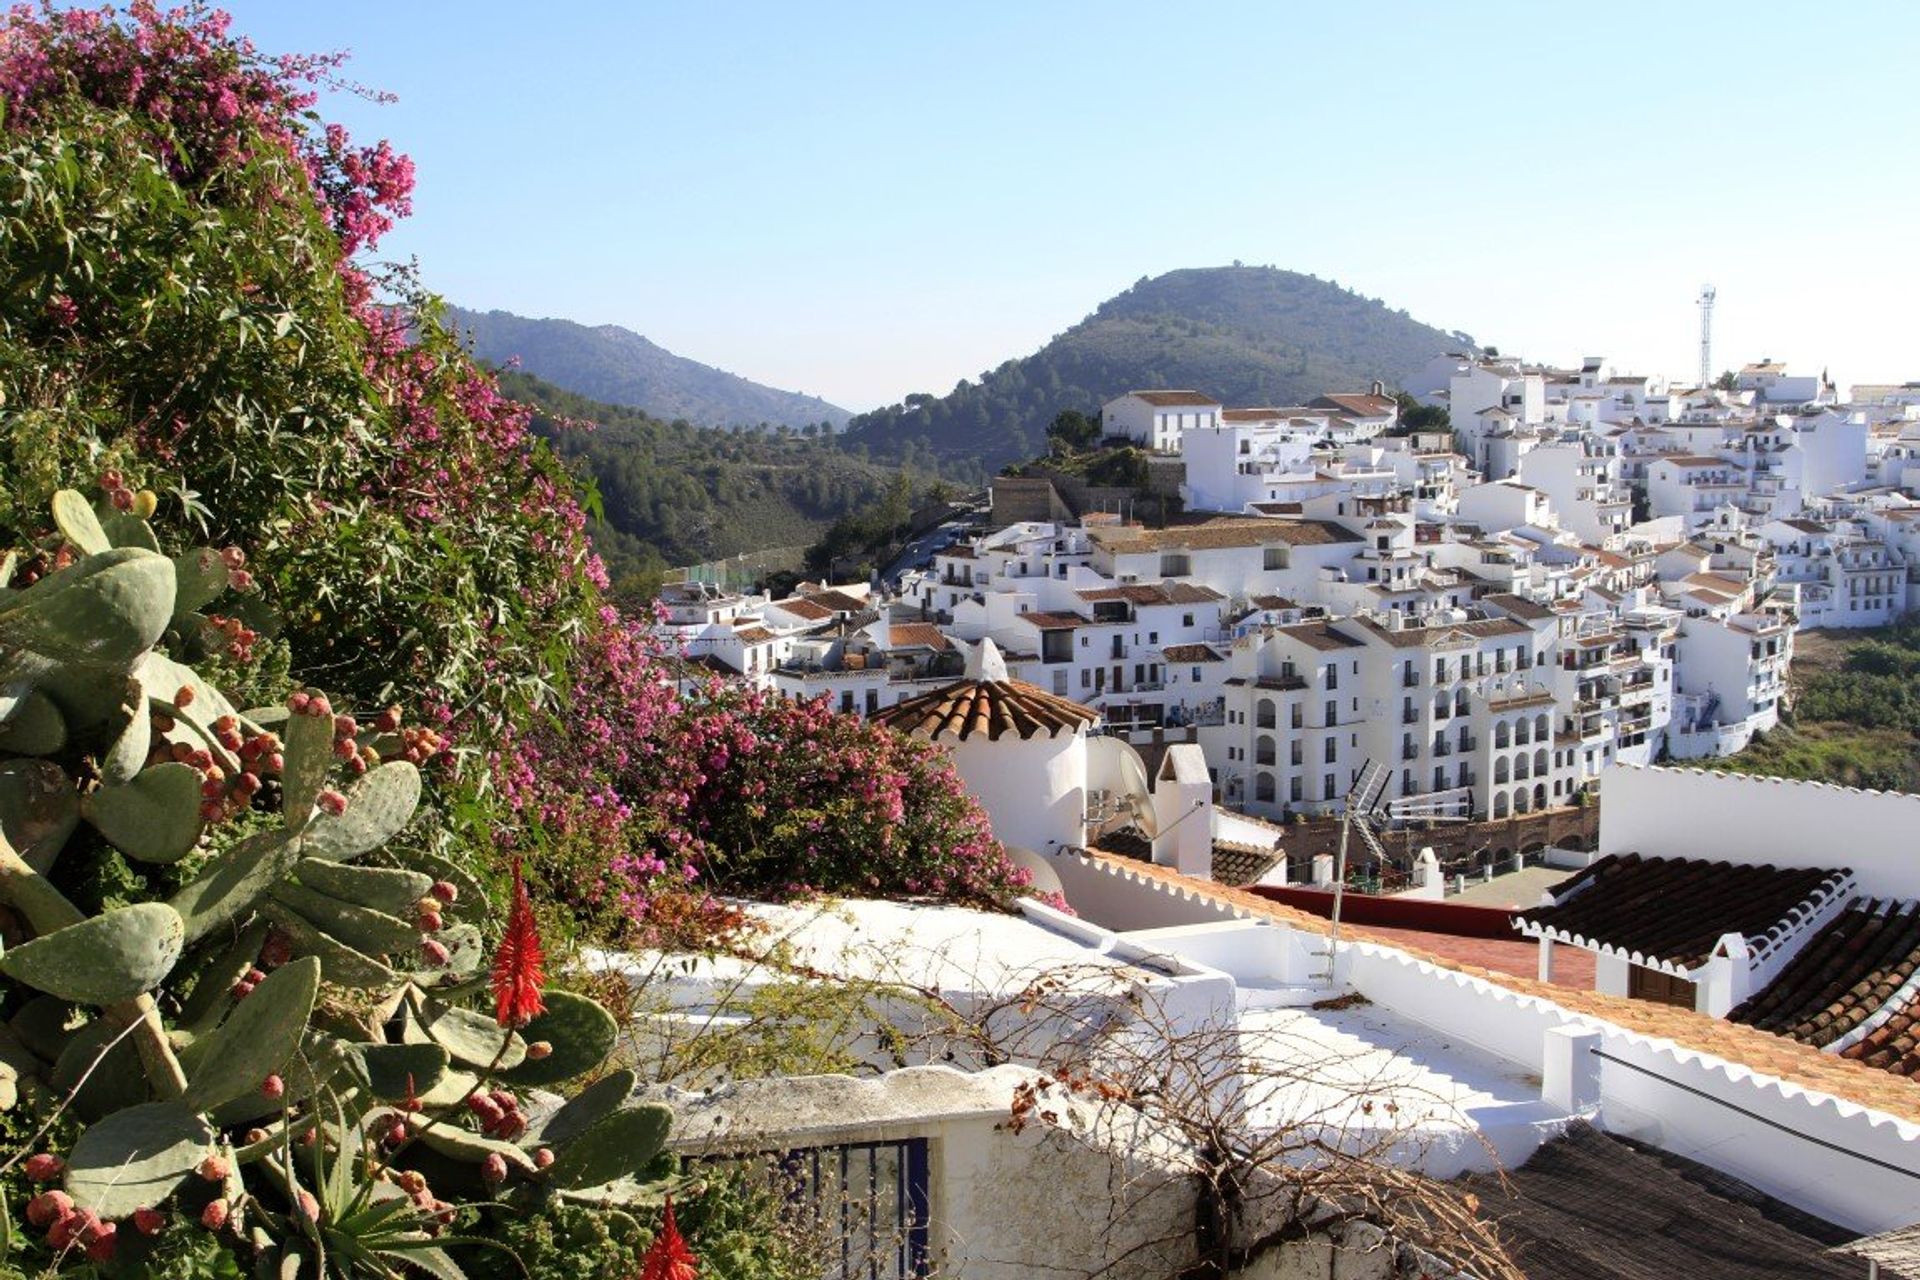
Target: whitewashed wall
{"type": "Point", "coordinates": [1691, 813]}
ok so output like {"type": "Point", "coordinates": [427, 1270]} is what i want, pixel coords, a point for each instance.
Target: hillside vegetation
{"type": "Point", "coordinates": [618, 366]}
{"type": "Point", "coordinates": [1250, 335]}
{"type": "Point", "coordinates": [1856, 713]}
{"type": "Point", "coordinates": [675, 494]}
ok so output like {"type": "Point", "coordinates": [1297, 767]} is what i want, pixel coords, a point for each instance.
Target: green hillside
{"type": "Point", "coordinates": [620, 367]}
{"type": "Point", "coordinates": [675, 494]}
{"type": "Point", "coordinates": [1250, 335]}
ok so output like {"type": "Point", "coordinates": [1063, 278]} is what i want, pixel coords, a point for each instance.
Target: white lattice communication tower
{"type": "Point", "coordinates": [1706, 335]}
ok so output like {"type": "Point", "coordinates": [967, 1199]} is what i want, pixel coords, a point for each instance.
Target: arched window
{"type": "Point", "coordinates": [1263, 750]}
{"type": "Point", "coordinates": [1503, 734]}
{"type": "Point", "coordinates": [1542, 728]}
{"type": "Point", "coordinates": [1501, 771]}
{"type": "Point", "coordinates": [1522, 803]}
{"type": "Point", "coordinates": [1461, 702]}
{"type": "Point", "coordinates": [1263, 788]}
{"type": "Point", "coordinates": [1522, 732]}
{"type": "Point", "coordinates": [1540, 796]}
{"type": "Point", "coordinates": [1263, 714]}
{"type": "Point", "coordinates": [1500, 803]}
{"type": "Point", "coordinates": [1540, 762]}
{"type": "Point", "coordinates": [1520, 770]}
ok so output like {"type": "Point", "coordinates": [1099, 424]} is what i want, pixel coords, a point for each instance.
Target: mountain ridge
{"type": "Point", "coordinates": [1249, 335]}
{"type": "Point", "coordinates": [614, 365]}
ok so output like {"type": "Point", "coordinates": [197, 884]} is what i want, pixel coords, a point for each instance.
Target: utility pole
{"type": "Point", "coordinates": [1706, 336]}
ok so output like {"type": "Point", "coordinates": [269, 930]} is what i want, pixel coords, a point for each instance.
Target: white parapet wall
{"type": "Point", "coordinates": [1845, 1162]}
{"type": "Point", "coordinates": [1694, 813]}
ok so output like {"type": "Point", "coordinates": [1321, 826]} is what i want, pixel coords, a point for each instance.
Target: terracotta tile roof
{"type": "Point", "coordinates": [1764, 1053]}
{"type": "Point", "coordinates": [1226, 533]}
{"type": "Point", "coordinates": [1319, 635]}
{"type": "Point", "coordinates": [1446, 632]}
{"type": "Point", "coordinates": [986, 707]}
{"type": "Point", "coordinates": [1518, 606]}
{"type": "Point", "coordinates": [1042, 620]}
{"type": "Point", "coordinates": [838, 601]}
{"type": "Point", "coordinates": [1894, 1045]}
{"type": "Point", "coordinates": [1242, 864]}
{"type": "Point", "coordinates": [1165, 398]}
{"type": "Point", "coordinates": [917, 635]}
{"type": "Point", "coordinates": [800, 607]}
{"type": "Point", "coordinates": [1366, 405]}
{"type": "Point", "coordinates": [1154, 593]}
{"type": "Point", "coordinates": [755, 635]}
{"type": "Point", "coordinates": [1190, 653]}
{"type": "Point", "coordinates": [1841, 975]}
{"type": "Point", "coordinates": [1676, 909]}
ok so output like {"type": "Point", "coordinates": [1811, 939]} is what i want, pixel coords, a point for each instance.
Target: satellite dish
{"type": "Point", "coordinates": [1039, 866]}
{"type": "Point", "coordinates": [1115, 767]}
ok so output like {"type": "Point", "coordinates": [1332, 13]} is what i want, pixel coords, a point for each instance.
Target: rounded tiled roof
{"type": "Point", "coordinates": [989, 709]}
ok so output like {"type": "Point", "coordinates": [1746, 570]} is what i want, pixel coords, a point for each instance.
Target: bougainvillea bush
{"type": "Point", "coordinates": [180, 299]}
{"type": "Point", "coordinates": [186, 300]}
{"type": "Point", "coordinates": [675, 779]}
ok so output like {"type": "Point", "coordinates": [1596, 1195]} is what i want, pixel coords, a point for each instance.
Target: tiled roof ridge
{"type": "Point", "coordinates": [1744, 1051]}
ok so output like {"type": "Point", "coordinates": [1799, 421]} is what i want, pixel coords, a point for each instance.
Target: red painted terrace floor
{"type": "Point", "coordinates": [1572, 967]}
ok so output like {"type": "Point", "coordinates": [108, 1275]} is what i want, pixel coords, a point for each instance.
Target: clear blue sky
{"type": "Point", "coordinates": [862, 200]}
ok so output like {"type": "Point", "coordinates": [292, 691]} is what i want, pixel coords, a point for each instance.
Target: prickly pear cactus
{"type": "Point", "coordinates": [284, 1038]}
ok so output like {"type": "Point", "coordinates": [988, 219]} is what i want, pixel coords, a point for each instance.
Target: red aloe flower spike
{"type": "Point", "coordinates": [517, 976]}
{"type": "Point", "coordinates": [668, 1257]}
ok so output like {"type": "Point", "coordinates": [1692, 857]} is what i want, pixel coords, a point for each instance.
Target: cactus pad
{"type": "Point", "coordinates": [257, 1038]}
{"type": "Point", "coordinates": [136, 1158]}
{"type": "Point", "coordinates": [104, 959]}
{"type": "Point", "coordinates": [153, 818]}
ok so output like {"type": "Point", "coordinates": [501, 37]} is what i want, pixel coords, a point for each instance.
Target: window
{"type": "Point", "coordinates": [1086, 678]}
{"type": "Point", "coordinates": [1060, 682]}
{"type": "Point", "coordinates": [1299, 718]}
{"type": "Point", "coordinates": [1175, 564]}
{"type": "Point", "coordinates": [1333, 676]}
{"type": "Point", "coordinates": [1263, 713]}
{"type": "Point", "coordinates": [1329, 787]}
{"type": "Point", "coordinates": [1294, 789]}
{"type": "Point", "coordinates": [1196, 675]}
{"type": "Point", "coordinates": [1295, 752]}
{"type": "Point", "coordinates": [846, 701]}
{"type": "Point", "coordinates": [1263, 788]}
{"type": "Point", "coordinates": [1263, 750]}
{"type": "Point", "coordinates": [1333, 750]}
{"type": "Point", "coordinates": [1153, 637]}
{"type": "Point", "coordinates": [1273, 558]}
{"type": "Point", "coordinates": [1333, 714]}
{"type": "Point", "coordinates": [1186, 619]}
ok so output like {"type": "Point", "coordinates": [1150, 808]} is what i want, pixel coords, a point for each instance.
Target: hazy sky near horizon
{"type": "Point", "coordinates": [864, 200]}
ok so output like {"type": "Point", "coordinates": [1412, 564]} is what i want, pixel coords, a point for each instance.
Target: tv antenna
{"type": "Point", "coordinates": [1365, 812]}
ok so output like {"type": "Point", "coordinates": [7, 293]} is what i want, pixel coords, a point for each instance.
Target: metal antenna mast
{"type": "Point", "coordinates": [1706, 336]}
{"type": "Point", "coordinates": [1365, 812]}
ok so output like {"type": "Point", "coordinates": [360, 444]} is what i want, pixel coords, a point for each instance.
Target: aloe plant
{"type": "Point", "coordinates": [202, 1024]}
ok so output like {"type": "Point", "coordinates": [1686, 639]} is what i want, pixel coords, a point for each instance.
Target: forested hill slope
{"type": "Point", "coordinates": [1250, 335]}
{"type": "Point", "coordinates": [617, 366]}
{"type": "Point", "coordinates": [675, 494]}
